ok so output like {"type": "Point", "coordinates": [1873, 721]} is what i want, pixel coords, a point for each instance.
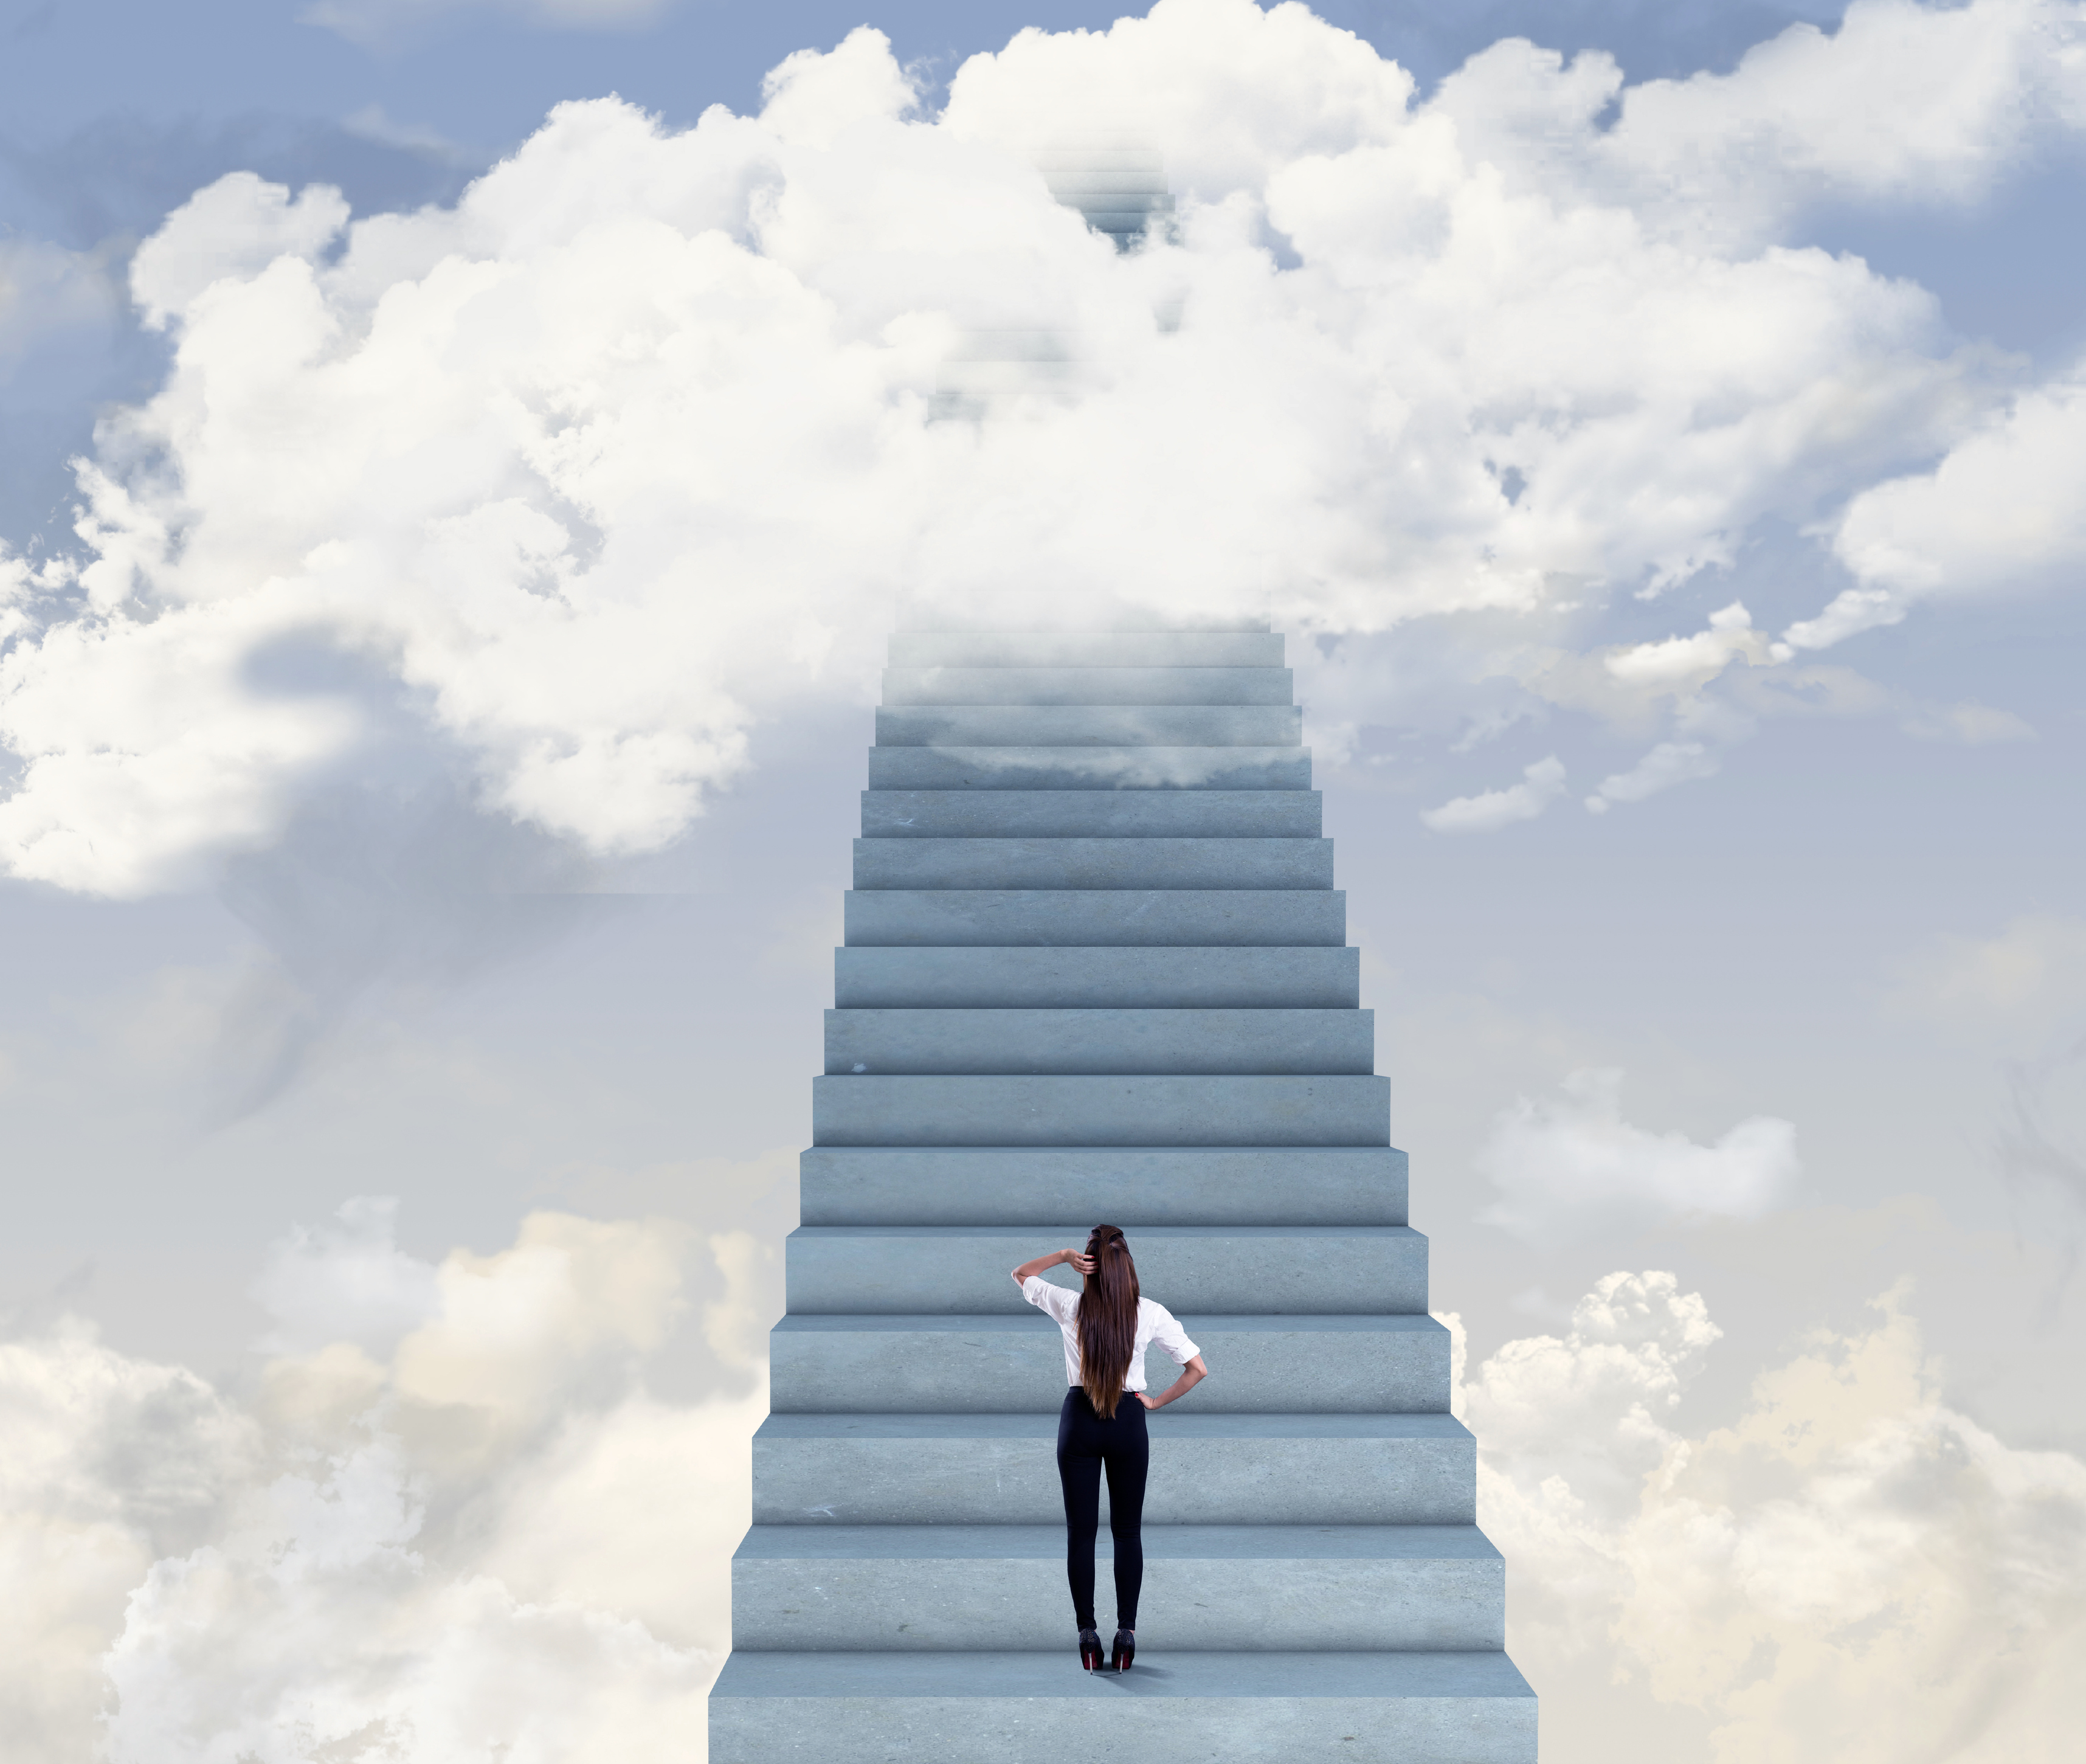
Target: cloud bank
{"type": "Point", "coordinates": [486, 1532]}
{"type": "Point", "coordinates": [1787, 1581]}
{"type": "Point", "coordinates": [638, 445]}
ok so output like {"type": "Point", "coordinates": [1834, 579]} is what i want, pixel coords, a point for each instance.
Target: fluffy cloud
{"type": "Point", "coordinates": [487, 1532]}
{"type": "Point", "coordinates": [1570, 1167]}
{"type": "Point", "coordinates": [2005, 509]}
{"type": "Point", "coordinates": [638, 445]}
{"type": "Point", "coordinates": [1541, 784]}
{"type": "Point", "coordinates": [1785, 1579]}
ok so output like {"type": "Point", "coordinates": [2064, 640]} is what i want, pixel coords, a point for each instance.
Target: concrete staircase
{"type": "Point", "coordinates": [1096, 969]}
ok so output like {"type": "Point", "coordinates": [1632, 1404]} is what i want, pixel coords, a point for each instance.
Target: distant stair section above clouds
{"type": "Point", "coordinates": [1096, 969]}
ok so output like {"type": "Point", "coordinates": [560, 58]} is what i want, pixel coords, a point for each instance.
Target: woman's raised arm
{"type": "Point", "coordinates": [1077, 1259]}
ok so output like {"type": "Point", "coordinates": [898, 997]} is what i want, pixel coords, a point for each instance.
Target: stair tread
{"type": "Point", "coordinates": [1043, 1424]}
{"type": "Point", "coordinates": [1209, 1322]}
{"type": "Point", "coordinates": [1160, 1673]}
{"type": "Point", "coordinates": [1162, 1542]}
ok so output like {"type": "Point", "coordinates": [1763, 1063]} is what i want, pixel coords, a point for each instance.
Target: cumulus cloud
{"type": "Point", "coordinates": [1569, 1167]}
{"type": "Point", "coordinates": [449, 1513]}
{"type": "Point", "coordinates": [1541, 784]}
{"type": "Point", "coordinates": [541, 468]}
{"type": "Point", "coordinates": [2006, 509]}
{"type": "Point", "coordinates": [1785, 1578]}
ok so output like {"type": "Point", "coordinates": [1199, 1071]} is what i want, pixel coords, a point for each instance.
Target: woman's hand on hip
{"type": "Point", "coordinates": [1147, 1402]}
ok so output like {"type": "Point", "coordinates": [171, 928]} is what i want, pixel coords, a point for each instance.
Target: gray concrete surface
{"type": "Point", "coordinates": [1246, 1042]}
{"type": "Point", "coordinates": [1174, 1707]}
{"type": "Point", "coordinates": [1207, 1469]}
{"type": "Point", "coordinates": [1210, 814]}
{"type": "Point", "coordinates": [1089, 726]}
{"type": "Point", "coordinates": [1284, 1586]}
{"type": "Point", "coordinates": [1274, 1270]}
{"type": "Point", "coordinates": [1126, 1185]}
{"type": "Point", "coordinates": [874, 1363]}
{"type": "Point", "coordinates": [1090, 769]}
{"type": "Point", "coordinates": [1095, 919]}
{"type": "Point", "coordinates": [1095, 927]}
{"type": "Point", "coordinates": [1148, 1110]}
{"type": "Point", "coordinates": [980, 976]}
{"type": "Point", "coordinates": [1093, 863]}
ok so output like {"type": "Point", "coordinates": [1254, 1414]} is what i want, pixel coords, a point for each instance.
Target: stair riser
{"type": "Point", "coordinates": [871, 1480]}
{"type": "Point", "coordinates": [1129, 1186]}
{"type": "Point", "coordinates": [1091, 815]}
{"type": "Point", "coordinates": [1254, 1372]}
{"type": "Point", "coordinates": [1061, 648]}
{"type": "Point", "coordinates": [1064, 1111]}
{"type": "Point", "coordinates": [1024, 1603]}
{"type": "Point", "coordinates": [905, 918]}
{"type": "Point", "coordinates": [1150, 1727]}
{"type": "Point", "coordinates": [1097, 979]}
{"type": "Point", "coordinates": [1252, 1273]}
{"type": "Point", "coordinates": [1246, 1043]}
{"type": "Point", "coordinates": [1089, 726]}
{"type": "Point", "coordinates": [1090, 769]}
{"type": "Point", "coordinates": [1087, 686]}
{"type": "Point", "coordinates": [1207, 864]}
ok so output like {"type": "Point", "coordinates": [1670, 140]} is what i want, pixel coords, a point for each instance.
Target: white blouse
{"type": "Point", "coordinates": [1155, 1323]}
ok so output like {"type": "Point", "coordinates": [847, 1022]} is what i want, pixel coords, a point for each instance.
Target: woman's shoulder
{"type": "Point", "coordinates": [1151, 1307]}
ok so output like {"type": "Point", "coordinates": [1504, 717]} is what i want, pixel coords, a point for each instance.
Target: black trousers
{"type": "Point", "coordinates": [1086, 1445]}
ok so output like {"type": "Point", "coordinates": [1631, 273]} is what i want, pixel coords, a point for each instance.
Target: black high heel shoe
{"type": "Point", "coordinates": [1124, 1651]}
{"type": "Point", "coordinates": [1090, 1649]}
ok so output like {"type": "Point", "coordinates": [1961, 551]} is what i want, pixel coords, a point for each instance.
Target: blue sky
{"type": "Point", "coordinates": [1670, 478]}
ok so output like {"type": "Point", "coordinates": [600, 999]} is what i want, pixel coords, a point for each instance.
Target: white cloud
{"type": "Point", "coordinates": [1849, 1573]}
{"type": "Point", "coordinates": [2005, 509]}
{"type": "Point", "coordinates": [1542, 784]}
{"type": "Point", "coordinates": [1569, 1167]}
{"type": "Point", "coordinates": [1668, 764]}
{"type": "Point", "coordinates": [489, 1534]}
{"type": "Point", "coordinates": [539, 466]}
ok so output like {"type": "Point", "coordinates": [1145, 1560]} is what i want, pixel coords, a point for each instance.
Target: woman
{"type": "Point", "coordinates": [1107, 1328]}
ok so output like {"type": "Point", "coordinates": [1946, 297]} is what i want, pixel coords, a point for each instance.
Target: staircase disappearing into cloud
{"type": "Point", "coordinates": [1096, 969]}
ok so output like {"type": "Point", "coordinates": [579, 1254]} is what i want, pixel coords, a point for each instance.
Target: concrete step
{"type": "Point", "coordinates": [1086, 649]}
{"type": "Point", "coordinates": [1172, 1707]}
{"type": "Point", "coordinates": [1251, 1271]}
{"type": "Point", "coordinates": [1089, 726]}
{"type": "Point", "coordinates": [1207, 1469]}
{"type": "Point", "coordinates": [1116, 685]}
{"type": "Point", "coordinates": [1089, 1110]}
{"type": "Point", "coordinates": [1358, 1587]}
{"type": "Point", "coordinates": [1001, 864]}
{"type": "Point", "coordinates": [1244, 1042]}
{"type": "Point", "coordinates": [1097, 917]}
{"type": "Point", "coordinates": [1090, 769]}
{"type": "Point", "coordinates": [915, 1184]}
{"type": "Point", "coordinates": [980, 976]}
{"type": "Point", "coordinates": [1091, 815]}
{"type": "Point", "coordinates": [871, 1365]}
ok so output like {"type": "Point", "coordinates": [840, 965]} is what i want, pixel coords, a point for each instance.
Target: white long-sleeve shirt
{"type": "Point", "coordinates": [1155, 1324]}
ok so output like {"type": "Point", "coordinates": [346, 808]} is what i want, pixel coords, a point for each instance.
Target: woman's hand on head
{"type": "Point", "coordinates": [1080, 1262]}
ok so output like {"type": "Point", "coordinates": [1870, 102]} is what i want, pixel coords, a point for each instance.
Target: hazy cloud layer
{"type": "Point", "coordinates": [638, 443]}
{"type": "Point", "coordinates": [1570, 1169]}
{"type": "Point", "coordinates": [487, 1532]}
{"type": "Point", "coordinates": [1792, 1580]}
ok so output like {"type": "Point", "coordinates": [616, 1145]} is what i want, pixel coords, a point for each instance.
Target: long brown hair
{"type": "Point", "coordinates": [1108, 1320]}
